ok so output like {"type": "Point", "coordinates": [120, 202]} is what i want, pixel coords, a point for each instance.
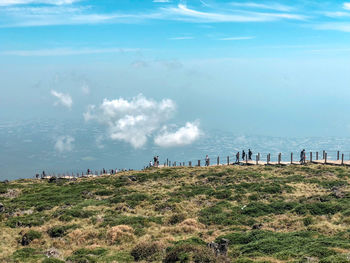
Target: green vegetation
{"type": "Point", "coordinates": [268, 214]}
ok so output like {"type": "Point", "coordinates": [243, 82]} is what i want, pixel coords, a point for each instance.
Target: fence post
{"type": "Point", "coordinates": [257, 159]}
{"type": "Point", "coordinates": [337, 155]}
{"type": "Point", "coordinates": [310, 157]}
{"type": "Point", "coordinates": [246, 159]}
{"type": "Point", "coordinates": [258, 156]}
{"type": "Point", "coordinates": [228, 160]}
{"type": "Point", "coordinates": [175, 163]}
{"type": "Point", "coordinates": [342, 159]}
{"type": "Point", "coordinates": [279, 158]}
{"type": "Point", "coordinates": [218, 161]}
{"type": "Point", "coordinates": [324, 154]}
{"type": "Point", "coordinates": [316, 156]}
{"type": "Point", "coordinates": [199, 162]}
{"type": "Point", "coordinates": [291, 158]}
{"type": "Point", "coordinates": [190, 164]}
{"type": "Point", "coordinates": [325, 158]}
{"type": "Point", "coordinates": [267, 158]}
{"type": "Point", "coordinates": [167, 162]}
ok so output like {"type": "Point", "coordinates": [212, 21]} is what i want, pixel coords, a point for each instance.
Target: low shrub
{"type": "Point", "coordinates": [59, 231]}
{"type": "Point", "coordinates": [176, 218]}
{"type": "Point", "coordinates": [37, 219]}
{"type": "Point", "coordinates": [189, 253]}
{"type": "Point", "coordinates": [146, 251]}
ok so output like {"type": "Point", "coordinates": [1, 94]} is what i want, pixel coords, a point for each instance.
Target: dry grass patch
{"type": "Point", "coordinates": [120, 234]}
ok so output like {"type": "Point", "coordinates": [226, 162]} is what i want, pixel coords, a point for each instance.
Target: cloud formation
{"type": "Point", "coordinates": [60, 12]}
{"type": "Point", "coordinates": [63, 99]}
{"type": "Point", "coordinates": [346, 5]}
{"type": "Point", "coordinates": [65, 52]}
{"type": "Point", "coordinates": [27, 2]}
{"type": "Point", "coordinates": [64, 144]}
{"type": "Point", "coordinates": [134, 121]}
{"type": "Point", "coordinates": [131, 121]}
{"type": "Point", "coordinates": [184, 136]}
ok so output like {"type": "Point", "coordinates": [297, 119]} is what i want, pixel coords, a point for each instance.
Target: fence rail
{"type": "Point", "coordinates": [292, 158]}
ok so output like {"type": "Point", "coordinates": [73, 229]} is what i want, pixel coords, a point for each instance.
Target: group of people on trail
{"type": "Point", "coordinates": [244, 156]}
{"type": "Point", "coordinates": [155, 162]}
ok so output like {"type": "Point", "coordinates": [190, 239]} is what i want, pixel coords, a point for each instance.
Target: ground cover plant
{"type": "Point", "coordinates": [268, 214]}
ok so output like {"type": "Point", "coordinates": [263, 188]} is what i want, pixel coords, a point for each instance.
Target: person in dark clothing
{"type": "Point", "coordinates": [237, 157]}
{"type": "Point", "coordinates": [302, 157]}
{"type": "Point", "coordinates": [250, 154]}
{"type": "Point", "coordinates": [243, 155]}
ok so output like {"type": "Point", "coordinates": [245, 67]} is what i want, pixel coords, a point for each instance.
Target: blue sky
{"type": "Point", "coordinates": [265, 67]}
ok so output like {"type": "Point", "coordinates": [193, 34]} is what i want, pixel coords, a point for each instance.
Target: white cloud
{"type": "Point", "coordinates": [64, 52]}
{"type": "Point", "coordinates": [337, 26]}
{"type": "Point", "coordinates": [26, 2]}
{"type": "Point", "coordinates": [270, 6]}
{"type": "Point", "coordinates": [85, 89]}
{"type": "Point", "coordinates": [132, 121]}
{"type": "Point", "coordinates": [180, 38]}
{"type": "Point", "coordinates": [346, 5]}
{"type": "Point", "coordinates": [63, 99]}
{"type": "Point", "coordinates": [236, 38]}
{"type": "Point", "coordinates": [184, 13]}
{"type": "Point", "coordinates": [64, 144]}
{"type": "Point", "coordinates": [24, 16]}
{"type": "Point", "coordinates": [184, 136]}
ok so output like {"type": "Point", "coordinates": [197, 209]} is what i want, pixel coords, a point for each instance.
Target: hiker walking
{"type": "Point", "coordinates": [250, 155]}
{"type": "Point", "coordinates": [237, 157]}
{"type": "Point", "coordinates": [243, 155]}
{"type": "Point", "coordinates": [206, 160]}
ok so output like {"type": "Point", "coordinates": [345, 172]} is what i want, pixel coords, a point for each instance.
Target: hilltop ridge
{"type": "Point", "coordinates": [267, 214]}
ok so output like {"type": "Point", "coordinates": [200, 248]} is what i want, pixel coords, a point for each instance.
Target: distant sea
{"type": "Point", "coordinates": [27, 148]}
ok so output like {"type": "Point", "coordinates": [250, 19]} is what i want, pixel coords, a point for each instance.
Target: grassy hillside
{"type": "Point", "coordinates": [269, 214]}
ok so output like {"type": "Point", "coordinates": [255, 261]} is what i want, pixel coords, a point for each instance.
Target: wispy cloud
{"type": "Point", "coordinates": [27, 2]}
{"type": "Point", "coordinates": [236, 38]}
{"type": "Point", "coordinates": [346, 5]}
{"type": "Point", "coordinates": [182, 12]}
{"type": "Point", "coordinates": [64, 144]}
{"type": "Point", "coordinates": [337, 26]}
{"type": "Point", "coordinates": [60, 14]}
{"type": "Point", "coordinates": [180, 38]}
{"type": "Point", "coordinates": [65, 52]}
{"type": "Point", "coordinates": [63, 99]}
{"type": "Point", "coordinates": [270, 6]}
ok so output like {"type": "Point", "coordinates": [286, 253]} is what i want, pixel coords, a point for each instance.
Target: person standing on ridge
{"type": "Point", "coordinates": [250, 155]}
{"type": "Point", "coordinates": [237, 157]}
{"type": "Point", "coordinates": [206, 160]}
{"type": "Point", "coordinates": [302, 157]}
{"type": "Point", "coordinates": [243, 155]}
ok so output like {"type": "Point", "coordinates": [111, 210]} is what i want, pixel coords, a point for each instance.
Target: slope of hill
{"type": "Point", "coordinates": [268, 214]}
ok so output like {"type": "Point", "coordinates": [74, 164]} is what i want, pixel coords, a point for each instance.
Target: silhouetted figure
{"type": "Point", "coordinates": [302, 157]}
{"type": "Point", "coordinates": [37, 176]}
{"type": "Point", "coordinates": [243, 155]}
{"type": "Point", "coordinates": [237, 157]}
{"type": "Point", "coordinates": [250, 154]}
{"type": "Point", "coordinates": [206, 160]}
{"type": "Point", "coordinates": [88, 171]}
